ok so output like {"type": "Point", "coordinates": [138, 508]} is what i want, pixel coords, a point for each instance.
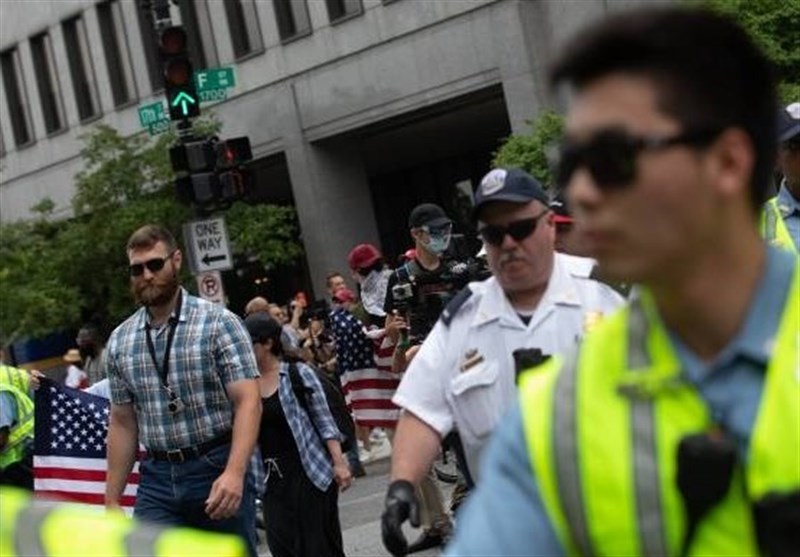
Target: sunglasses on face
{"type": "Point", "coordinates": [153, 265]}
{"type": "Point", "coordinates": [518, 230]}
{"type": "Point", "coordinates": [610, 155]}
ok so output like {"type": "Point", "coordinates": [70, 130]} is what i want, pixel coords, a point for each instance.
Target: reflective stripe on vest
{"type": "Point", "coordinates": [15, 377]}
{"type": "Point", "coordinates": [773, 227]}
{"type": "Point", "coordinates": [630, 408]}
{"type": "Point", "coordinates": [21, 432]}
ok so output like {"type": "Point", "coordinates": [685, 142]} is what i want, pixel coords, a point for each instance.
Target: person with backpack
{"type": "Point", "coordinates": [300, 443]}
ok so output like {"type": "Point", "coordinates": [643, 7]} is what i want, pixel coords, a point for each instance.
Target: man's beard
{"type": "Point", "coordinates": [155, 293]}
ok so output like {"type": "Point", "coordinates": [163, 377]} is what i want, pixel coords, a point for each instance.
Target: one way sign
{"type": "Point", "coordinates": [208, 245]}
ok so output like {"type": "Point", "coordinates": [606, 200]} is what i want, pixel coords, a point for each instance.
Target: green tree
{"type": "Point", "coordinates": [773, 24]}
{"type": "Point", "coordinates": [57, 273]}
{"type": "Point", "coordinates": [529, 151]}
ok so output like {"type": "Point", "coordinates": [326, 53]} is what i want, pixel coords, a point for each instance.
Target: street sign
{"type": "Point", "coordinates": [151, 114]}
{"type": "Point", "coordinates": [214, 78]}
{"type": "Point", "coordinates": [213, 84]}
{"type": "Point", "coordinates": [209, 286]}
{"type": "Point", "coordinates": [207, 241]}
{"type": "Point", "coordinates": [154, 118]}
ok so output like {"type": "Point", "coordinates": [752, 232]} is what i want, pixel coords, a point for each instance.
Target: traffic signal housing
{"type": "Point", "coordinates": [182, 99]}
{"type": "Point", "coordinates": [212, 172]}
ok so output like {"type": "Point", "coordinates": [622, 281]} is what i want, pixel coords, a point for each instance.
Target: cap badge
{"type": "Point", "coordinates": [494, 181]}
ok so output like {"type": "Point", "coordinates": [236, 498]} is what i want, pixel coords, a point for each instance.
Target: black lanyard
{"type": "Point", "coordinates": [163, 371]}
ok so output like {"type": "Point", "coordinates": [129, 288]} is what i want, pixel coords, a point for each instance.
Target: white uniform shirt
{"type": "Point", "coordinates": [472, 401]}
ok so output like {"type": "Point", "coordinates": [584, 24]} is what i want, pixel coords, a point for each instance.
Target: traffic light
{"type": "Point", "coordinates": [182, 99]}
{"type": "Point", "coordinates": [211, 172]}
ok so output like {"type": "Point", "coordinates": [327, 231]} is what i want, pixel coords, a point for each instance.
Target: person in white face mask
{"type": "Point", "coordinates": [420, 289]}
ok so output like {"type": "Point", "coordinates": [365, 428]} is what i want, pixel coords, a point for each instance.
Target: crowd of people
{"type": "Point", "coordinates": [586, 417]}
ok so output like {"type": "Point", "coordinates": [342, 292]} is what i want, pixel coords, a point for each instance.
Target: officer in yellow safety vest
{"type": "Point", "coordinates": [674, 428]}
{"type": "Point", "coordinates": [36, 527]}
{"type": "Point", "coordinates": [16, 427]}
{"type": "Point", "coordinates": [780, 219]}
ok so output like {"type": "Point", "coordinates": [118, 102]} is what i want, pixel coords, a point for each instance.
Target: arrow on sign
{"type": "Point", "coordinates": [209, 259]}
{"type": "Point", "coordinates": [184, 100]}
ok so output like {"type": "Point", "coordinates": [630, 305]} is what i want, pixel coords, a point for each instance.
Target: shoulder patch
{"type": "Point", "coordinates": [455, 304]}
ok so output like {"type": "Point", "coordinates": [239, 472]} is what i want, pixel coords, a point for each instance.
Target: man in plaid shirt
{"type": "Point", "coordinates": [183, 383]}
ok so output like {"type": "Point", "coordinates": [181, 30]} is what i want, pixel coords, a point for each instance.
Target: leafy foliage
{"type": "Point", "coordinates": [773, 25]}
{"type": "Point", "coordinates": [529, 152]}
{"type": "Point", "coordinates": [58, 273]}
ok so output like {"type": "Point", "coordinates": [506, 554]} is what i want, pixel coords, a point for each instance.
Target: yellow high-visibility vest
{"type": "Point", "coordinates": [603, 429]}
{"type": "Point", "coordinates": [36, 527]}
{"type": "Point", "coordinates": [774, 229]}
{"type": "Point", "coordinates": [19, 378]}
{"type": "Point", "coordinates": [21, 433]}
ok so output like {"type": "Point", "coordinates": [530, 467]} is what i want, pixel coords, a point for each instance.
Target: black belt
{"type": "Point", "coordinates": [176, 456]}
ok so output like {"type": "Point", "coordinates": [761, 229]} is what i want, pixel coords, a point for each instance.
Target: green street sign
{"type": "Point", "coordinates": [214, 78]}
{"type": "Point", "coordinates": [152, 114]}
{"type": "Point", "coordinates": [158, 127]}
{"type": "Point", "coordinates": [183, 100]}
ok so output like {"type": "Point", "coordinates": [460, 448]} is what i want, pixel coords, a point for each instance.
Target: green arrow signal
{"type": "Point", "coordinates": [184, 99]}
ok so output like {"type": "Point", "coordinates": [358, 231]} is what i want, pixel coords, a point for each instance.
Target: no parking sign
{"type": "Point", "coordinates": [209, 285]}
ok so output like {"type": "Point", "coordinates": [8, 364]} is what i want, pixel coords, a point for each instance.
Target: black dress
{"type": "Point", "coordinates": [300, 520]}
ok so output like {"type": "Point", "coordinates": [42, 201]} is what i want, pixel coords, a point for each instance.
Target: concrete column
{"type": "Point", "coordinates": [333, 201]}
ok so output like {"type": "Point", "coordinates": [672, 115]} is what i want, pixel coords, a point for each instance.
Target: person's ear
{"type": "Point", "coordinates": [177, 260]}
{"type": "Point", "coordinates": [731, 159]}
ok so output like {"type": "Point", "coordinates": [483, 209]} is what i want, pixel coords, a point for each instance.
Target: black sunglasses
{"type": "Point", "coordinates": [610, 155]}
{"type": "Point", "coordinates": [153, 265]}
{"type": "Point", "coordinates": [518, 230]}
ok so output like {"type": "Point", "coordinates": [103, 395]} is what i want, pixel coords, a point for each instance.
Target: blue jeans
{"type": "Point", "coordinates": [175, 494]}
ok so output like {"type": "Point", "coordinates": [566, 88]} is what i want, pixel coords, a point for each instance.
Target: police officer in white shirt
{"type": "Point", "coordinates": [463, 376]}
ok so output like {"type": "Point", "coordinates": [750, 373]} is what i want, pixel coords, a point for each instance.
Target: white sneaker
{"type": "Point", "coordinates": [381, 450]}
{"type": "Point", "coordinates": [377, 435]}
{"type": "Point", "coordinates": [364, 455]}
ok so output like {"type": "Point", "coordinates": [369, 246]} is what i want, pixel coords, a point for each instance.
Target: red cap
{"type": "Point", "coordinates": [410, 254]}
{"type": "Point", "coordinates": [363, 256]}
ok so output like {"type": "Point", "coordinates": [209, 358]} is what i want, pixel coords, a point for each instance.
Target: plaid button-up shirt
{"type": "Point", "coordinates": [313, 453]}
{"type": "Point", "coordinates": [211, 349]}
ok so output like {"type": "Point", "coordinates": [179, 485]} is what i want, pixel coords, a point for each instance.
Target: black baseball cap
{"type": "Point", "coordinates": [508, 184]}
{"type": "Point", "coordinates": [262, 327]}
{"type": "Point", "coordinates": [427, 214]}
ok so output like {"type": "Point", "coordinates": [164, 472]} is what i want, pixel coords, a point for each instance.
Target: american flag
{"type": "Point", "coordinates": [69, 460]}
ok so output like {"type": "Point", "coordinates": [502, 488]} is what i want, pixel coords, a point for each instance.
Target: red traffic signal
{"type": "Point", "coordinates": [173, 41]}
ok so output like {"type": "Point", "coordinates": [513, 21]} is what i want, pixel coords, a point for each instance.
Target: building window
{"type": "Point", "coordinates": [243, 26]}
{"type": "Point", "coordinates": [81, 68]}
{"type": "Point", "coordinates": [47, 81]}
{"type": "Point", "coordinates": [338, 9]}
{"type": "Point", "coordinates": [14, 84]}
{"type": "Point", "coordinates": [115, 46]}
{"type": "Point", "coordinates": [147, 29]}
{"type": "Point", "coordinates": [197, 22]}
{"type": "Point", "coordinates": [292, 16]}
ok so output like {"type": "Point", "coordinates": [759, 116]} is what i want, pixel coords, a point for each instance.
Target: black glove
{"type": "Point", "coordinates": [401, 504]}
